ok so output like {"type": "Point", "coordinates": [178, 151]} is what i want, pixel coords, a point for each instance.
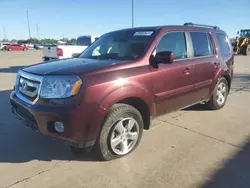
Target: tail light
{"type": "Point", "coordinates": [59, 52]}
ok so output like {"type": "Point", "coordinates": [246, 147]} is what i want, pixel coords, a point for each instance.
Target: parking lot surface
{"type": "Point", "coordinates": [189, 148]}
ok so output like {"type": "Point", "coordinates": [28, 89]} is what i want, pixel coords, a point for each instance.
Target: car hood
{"type": "Point", "coordinates": [70, 66]}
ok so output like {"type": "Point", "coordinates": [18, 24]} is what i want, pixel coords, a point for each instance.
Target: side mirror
{"type": "Point", "coordinates": [75, 54]}
{"type": "Point", "coordinates": [238, 32]}
{"type": "Point", "coordinates": [165, 57]}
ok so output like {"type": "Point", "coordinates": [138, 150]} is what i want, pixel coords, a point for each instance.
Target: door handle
{"type": "Point", "coordinates": [187, 71]}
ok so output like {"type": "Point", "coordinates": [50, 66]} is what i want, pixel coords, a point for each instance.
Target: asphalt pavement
{"type": "Point", "coordinates": [185, 149]}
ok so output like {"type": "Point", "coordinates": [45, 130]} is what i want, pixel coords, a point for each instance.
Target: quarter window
{"type": "Point", "coordinates": [223, 44]}
{"type": "Point", "coordinates": [201, 44]}
{"type": "Point", "coordinates": [174, 42]}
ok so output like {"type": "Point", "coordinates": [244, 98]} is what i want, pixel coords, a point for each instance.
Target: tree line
{"type": "Point", "coordinates": [42, 41]}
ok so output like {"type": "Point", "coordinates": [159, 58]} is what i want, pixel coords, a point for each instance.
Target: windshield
{"type": "Point", "coordinates": [120, 45]}
{"type": "Point", "coordinates": [83, 41]}
{"type": "Point", "coordinates": [245, 33]}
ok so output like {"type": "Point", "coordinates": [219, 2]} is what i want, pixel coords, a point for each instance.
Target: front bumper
{"type": "Point", "coordinates": [42, 116]}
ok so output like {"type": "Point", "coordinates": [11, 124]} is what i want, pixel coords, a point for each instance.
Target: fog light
{"type": "Point", "coordinates": [59, 126]}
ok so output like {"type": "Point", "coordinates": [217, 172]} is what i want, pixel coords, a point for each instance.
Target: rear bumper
{"type": "Point", "coordinates": [41, 117]}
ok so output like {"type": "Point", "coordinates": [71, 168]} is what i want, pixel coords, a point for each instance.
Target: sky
{"type": "Point", "coordinates": [71, 18]}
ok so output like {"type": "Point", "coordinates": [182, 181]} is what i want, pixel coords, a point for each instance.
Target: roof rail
{"type": "Point", "coordinates": [200, 25]}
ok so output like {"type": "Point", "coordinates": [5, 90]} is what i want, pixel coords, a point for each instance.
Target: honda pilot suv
{"type": "Point", "coordinates": [103, 98]}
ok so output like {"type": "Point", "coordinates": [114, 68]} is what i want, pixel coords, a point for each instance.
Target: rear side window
{"type": "Point", "coordinates": [201, 44]}
{"type": "Point", "coordinates": [174, 42]}
{"type": "Point", "coordinates": [223, 44]}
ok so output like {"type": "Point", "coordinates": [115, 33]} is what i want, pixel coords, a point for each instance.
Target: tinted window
{"type": "Point", "coordinates": [245, 33]}
{"type": "Point", "coordinates": [119, 45]}
{"type": "Point", "coordinates": [174, 42]}
{"type": "Point", "coordinates": [223, 44]}
{"type": "Point", "coordinates": [200, 44]}
{"type": "Point", "coordinates": [83, 41]}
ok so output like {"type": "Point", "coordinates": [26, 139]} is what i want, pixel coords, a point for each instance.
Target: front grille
{"type": "Point", "coordinates": [27, 86]}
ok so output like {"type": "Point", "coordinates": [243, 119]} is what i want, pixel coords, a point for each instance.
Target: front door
{"type": "Point", "coordinates": [173, 83]}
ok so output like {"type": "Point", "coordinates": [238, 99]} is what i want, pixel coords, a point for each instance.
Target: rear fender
{"type": "Point", "coordinates": [222, 72]}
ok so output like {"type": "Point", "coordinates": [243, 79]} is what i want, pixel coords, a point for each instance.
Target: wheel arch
{"type": "Point", "coordinates": [229, 81]}
{"type": "Point", "coordinates": [141, 106]}
{"type": "Point", "coordinates": [132, 95]}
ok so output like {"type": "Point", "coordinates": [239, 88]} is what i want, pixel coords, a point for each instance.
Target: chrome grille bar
{"type": "Point", "coordinates": [28, 86]}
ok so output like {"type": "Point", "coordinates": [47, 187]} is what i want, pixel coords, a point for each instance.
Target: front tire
{"type": "Point", "coordinates": [121, 132]}
{"type": "Point", "coordinates": [220, 93]}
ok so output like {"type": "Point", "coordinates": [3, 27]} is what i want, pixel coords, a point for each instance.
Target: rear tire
{"type": "Point", "coordinates": [246, 50]}
{"type": "Point", "coordinates": [219, 97]}
{"type": "Point", "coordinates": [121, 132]}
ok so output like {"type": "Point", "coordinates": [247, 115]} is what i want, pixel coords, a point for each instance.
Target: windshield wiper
{"type": "Point", "coordinates": [108, 56]}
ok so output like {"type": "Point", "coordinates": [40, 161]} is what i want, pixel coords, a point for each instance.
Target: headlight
{"type": "Point", "coordinates": [60, 87]}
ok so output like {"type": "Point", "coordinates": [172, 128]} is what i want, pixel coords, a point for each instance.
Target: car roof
{"type": "Point", "coordinates": [172, 27]}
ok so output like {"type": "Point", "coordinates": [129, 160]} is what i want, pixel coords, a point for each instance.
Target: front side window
{"type": "Point", "coordinates": [201, 45]}
{"type": "Point", "coordinates": [120, 45]}
{"type": "Point", "coordinates": [174, 42]}
{"type": "Point", "coordinates": [223, 44]}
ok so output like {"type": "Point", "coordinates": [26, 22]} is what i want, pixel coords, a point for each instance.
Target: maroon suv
{"type": "Point", "coordinates": [108, 94]}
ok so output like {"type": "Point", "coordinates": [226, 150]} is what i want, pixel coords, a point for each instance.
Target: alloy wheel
{"type": "Point", "coordinates": [221, 93]}
{"type": "Point", "coordinates": [124, 136]}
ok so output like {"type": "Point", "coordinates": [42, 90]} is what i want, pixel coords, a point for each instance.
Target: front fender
{"type": "Point", "coordinates": [126, 92]}
{"type": "Point", "coordinates": [114, 97]}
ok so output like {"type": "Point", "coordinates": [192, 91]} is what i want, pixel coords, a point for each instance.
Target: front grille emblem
{"type": "Point", "coordinates": [24, 85]}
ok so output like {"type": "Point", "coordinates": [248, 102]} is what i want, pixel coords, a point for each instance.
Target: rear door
{"type": "Point", "coordinates": [20, 47]}
{"type": "Point", "coordinates": [173, 83]}
{"type": "Point", "coordinates": [16, 47]}
{"type": "Point", "coordinates": [205, 62]}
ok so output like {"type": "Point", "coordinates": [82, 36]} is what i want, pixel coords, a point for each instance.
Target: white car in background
{"type": "Point", "coordinates": [2, 45]}
{"type": "Point", "coordinates": [51, 52]}
{"type": "Point", "coordinates": [30, 45]}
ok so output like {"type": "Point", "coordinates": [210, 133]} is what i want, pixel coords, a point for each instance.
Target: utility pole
{"type": "Point", "coordinates": [4, 34]}
{"type": "Point", "coordinates": [132, 13]}
{"type": "Point", "coordinates": [37, 31]}
{"type": "Point", "coordinates": [28, 24]}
